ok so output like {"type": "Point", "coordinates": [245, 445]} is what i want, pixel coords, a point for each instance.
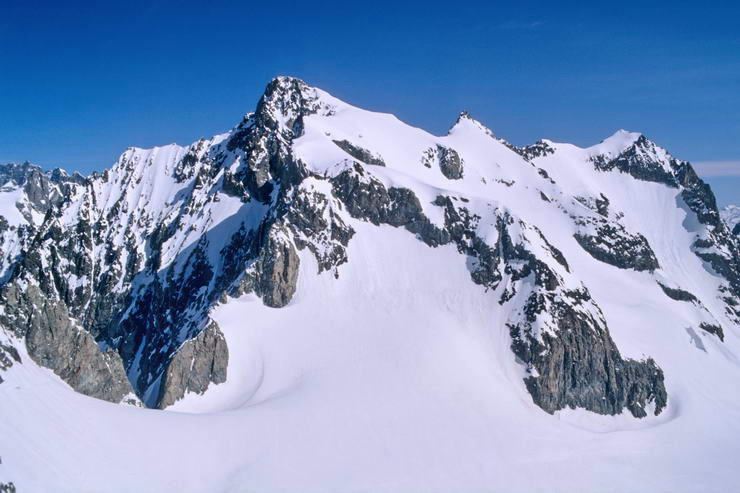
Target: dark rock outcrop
{"type": "Point", "coordinates": [450, 163]}
{"type": "Point", "coordinates": [278, 270]}
{"type": "Point", "coordinates": [367, 198]}
{"type": "Point", "coordinates": [612, 244]}
{"type": "Point", "coordinates": [562, 338]}
{"type": "Point", "coordinates": [713, 329]}
{"type": "Point", "coordinates": [718, 246]}
{"type": "Point", "coordinates": [580, 367]}
{"type": "Point", "coordinates": [598, 204]}
{"type": "Point", "coordinates": [316, 223]}
{"type": "Point", "coordinates": [677, 294]}
{"type": "Point", "coordinates": [7, 487]}
{"type": "Point", "coordinates": [536, 150]}
{"type": "Point", "coordinates": [8, 356]}
{"type": "Point", "coordinates": [54, 341]}
{"type": "Point", "coordinates": [639, 161]}
{"type": "Point", "coordinates": [359, 153]}
{"type": "Point", "coordinates": [42, 189]}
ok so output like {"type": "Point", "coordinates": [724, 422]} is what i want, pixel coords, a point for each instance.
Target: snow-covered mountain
{"type": "Point", "coordinates": [327, 299]}
{"type": "Point", "coordinates": [731, 215]}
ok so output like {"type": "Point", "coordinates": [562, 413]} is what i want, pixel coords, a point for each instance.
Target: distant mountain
{"type": "Point", "coordinates": [731, 215]}
{"type": "Point", "coordinates": [343, 302]}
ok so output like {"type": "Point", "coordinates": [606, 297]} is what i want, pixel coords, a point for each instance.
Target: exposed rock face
{"type": "Point", "coordinates": [114, 268]}
{"type": "Point", "coordinates": [638, 160]}
{"type": "Point", "coordinates": [598, 204]}
{"type": "Point", "coordinates": [450, 163]}
{"type": "Point", "coordinates": [614, 246]}
{"type": "Point", "coordinates": [461, 226]}
{"type": "Point", "coordinates": [8, 356]}
{"type": "Point", "coordinates": [7, 488]}
{"type": "Point", "coordinates": [195, 365]}
{"type": "Point", "coordinates": [697, 194]}
{"type": "Point", "coordinates": [278, 270]}
{"type": "Point", "coordinates": [367, 198]}
{"type": "Point", "coordinates": [718, 246]}
{"type": "Point", "coordinates": [581, 367]}
{"type": "Point", "coordinates": [538, 149]}
{"type": "Point", "coordinates": [359, 153]}
{"type": "Point", "coordinates": [316, 220]}
{"type": "Point", "coordinates": [715, 244]}
{"type": "Point", "coordinates": [677, 294]}
{"type": "Point", "coordinates": [561, 336]}
{"type": "Point", "coordinates": [54, 341]}
{"type": "Point", "coordinates": [713, 329]}
{"type": "Point", "coordinates": [42, 190]}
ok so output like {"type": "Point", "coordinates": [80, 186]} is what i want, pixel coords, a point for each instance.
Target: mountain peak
{"type": "Point", "coordinates": [623, 137]}
{"type": "Point", "coordinates": [466, 121]}
{"type": "Point", "coordinates": [616, 143]}
{"type": "Point", "coordinates": [20, 173]}
{"type": "Point", "coordinates": [286, 100]}
{"type": "Point", "coordinates": [207, 278]}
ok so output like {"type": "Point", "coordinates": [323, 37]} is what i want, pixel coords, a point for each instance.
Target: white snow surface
{"type": "Point", "coordinates": [398, 375]}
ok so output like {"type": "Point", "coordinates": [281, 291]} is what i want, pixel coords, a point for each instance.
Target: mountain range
{"type": "Point", "coordinates": [325, 298]}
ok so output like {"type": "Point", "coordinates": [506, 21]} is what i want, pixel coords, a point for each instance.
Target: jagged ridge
{"type": "Point", "coordinates": [136, 258]}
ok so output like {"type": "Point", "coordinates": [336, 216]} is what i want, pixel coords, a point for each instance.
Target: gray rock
{"type": "Point", "coordinates": [367, 198]}
{"type": "Point", "coordinates": [634, 162]}
{"type": "Point", "coordinates": [598, 204]}
{"type": "Point", "coordinates": [55, 341]}
{"type": "Point", "coordinates": [581, 367]}
{"type": "Point", "coordinates": [277, 269]}
{"type": "Point", "coordinates": [530, 152]}
{"type": "Point", "coordinates": [43, 190]}
{"type": "Point", "coordinates": [7, 487]}
{"type": "Point", "coordinates": [8, 356]}
{"type": "Point", "coordinates": [713, 329]}
{"type": "Point", "coordinates": [317, 225]}
{"type": "Point", "coordinates": [450, 163]}
{"type": "Point", "coordinates": [359, 153]}
{"type": "Point", "coordinates": [460, 227]}
{"type": "Point", "coordinates": [575, 363]}
{"type": "Point", "coordinates": [677, 293]}
{"type": "Point", "coordinates": [195, 365]}
{"type": "Point", "coordinates": [613, 245]}
{"type": "Point", "coordinates": [721, 248]}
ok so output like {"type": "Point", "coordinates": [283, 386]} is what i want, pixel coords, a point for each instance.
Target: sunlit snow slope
{"type": "Point", "coordinates": [327, 299]}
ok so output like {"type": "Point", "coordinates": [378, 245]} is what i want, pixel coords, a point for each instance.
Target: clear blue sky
{"type": "Point", "coordinates": [81, 81]}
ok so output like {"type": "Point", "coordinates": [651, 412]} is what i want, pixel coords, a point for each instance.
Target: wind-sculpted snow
{"type": "Point", "coordinates": [318, 252]}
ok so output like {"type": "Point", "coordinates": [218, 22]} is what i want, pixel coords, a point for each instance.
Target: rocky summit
{"type": "Point", "coordinates": [323, 287]}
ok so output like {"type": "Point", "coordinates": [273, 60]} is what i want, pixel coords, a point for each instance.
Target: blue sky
{"type": "Point", "coordinates": [81, 81]}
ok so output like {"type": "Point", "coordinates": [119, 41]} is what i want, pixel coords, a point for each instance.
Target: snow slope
{"type": "Point", "coordinates": [394, 371]}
